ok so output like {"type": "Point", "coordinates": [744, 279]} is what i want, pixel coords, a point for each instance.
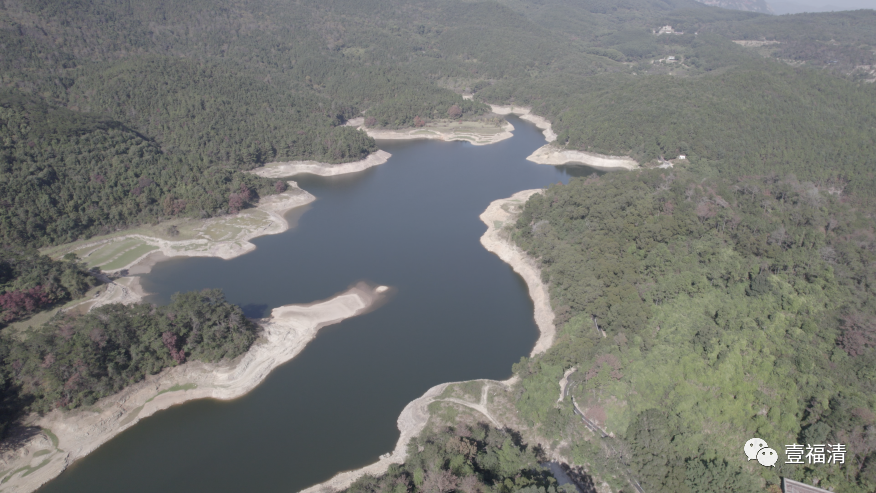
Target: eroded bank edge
{"type": "Point", "coordinates": [415, 415]}
{"type": "Point", "coordinates": [69, 436]}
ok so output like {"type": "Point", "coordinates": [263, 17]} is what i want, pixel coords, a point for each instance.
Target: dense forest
{"type": "Point", "coordinates": [30, 282]}
{"type": "Point", "coordinates": [734, 295]}
{"type": "Point", "coordinates": [73, 360]}
{"type": "Point", "coordinates": [731, 308]}
{"type": "Point", "coordinates": [468, 459]}
{"type": "Point", "coordinates": [66, 175]}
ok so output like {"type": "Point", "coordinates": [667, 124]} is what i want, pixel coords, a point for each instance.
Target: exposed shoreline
{"type": "Point", "coordinates": [498, 214]}
{"type": "Point", "coordinates": [415, 415]}
{"type": "Point", "coordinates": [78, 433]}
{"type": "Point", "coordinates": [284, 169]}
{"type": "Point", "coordinates": [525, 113]}
{"type": "Point", "coordinates": [553, 155]}
{"type": "Point", "coordinates": [268, 218]}
{"type": "Point", "coordinates": [411, 421]}
{"type": "Point", "coordinates": [430, 132]}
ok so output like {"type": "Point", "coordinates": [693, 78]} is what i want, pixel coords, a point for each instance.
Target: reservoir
{"type": "Point", "coordinates": [458, 313]}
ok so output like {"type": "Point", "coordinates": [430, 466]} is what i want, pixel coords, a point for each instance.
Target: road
{"type": "Point", "coordinates": [605, 436]}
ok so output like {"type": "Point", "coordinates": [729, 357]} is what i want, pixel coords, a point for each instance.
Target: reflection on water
{"type": "Point", "coordinates": [459, 313]}
{"type": "Point", "coordinates": [575, 170]}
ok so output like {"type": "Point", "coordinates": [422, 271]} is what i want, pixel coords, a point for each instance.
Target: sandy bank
{"type": "Point", "coordinates": [472, 132]}
{"type": "Point", "coordinates": [125, 290]}
{"type": "Point", "coordinates": [500, 213]}
{"type": "Point", "coordinates": [526, 114]}
{"type": "Point", "coordinates": [550, 154]}
{"type": "Point", "coordinates": [78, 433]}
{"type": "Point", "coordinates": [415, 415]}
{"type": "Point", "coordinates": [411, 422]}
{"type": "Point", "coordinates": [281, 170]}
{"type": "Point", "coordinates": [225, 237]}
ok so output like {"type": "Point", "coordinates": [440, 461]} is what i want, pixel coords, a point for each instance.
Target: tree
{"type": "Point", "coordinates": [454, 111]}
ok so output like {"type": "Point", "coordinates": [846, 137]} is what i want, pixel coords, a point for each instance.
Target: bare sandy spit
{"type": "Point", "coordinates": [415, 415]}
{"type": "Point", "coordinates": [551, 154]}
{"type": "Point", "coordinates": [225, 237]}
{"type": "Point", "coordinates": [77, 433]}
{"type": "Point", "coordinates": [464, 133]}
{"type": "Point", "coordinates": [281, 170]}
{"type": "Point", "coordinates": [526, 114]}
{"type": "Point", "coordinates": [555, 155]}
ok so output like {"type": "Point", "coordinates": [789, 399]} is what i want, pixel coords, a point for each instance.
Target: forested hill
{"type": "Point", "coordinates": [734, 291]}
{"type": "Point", "coordinates": [66, 174]}
{"type": "Point", "coordinates": [207, 88]}
{"type": "Point", "coordinates": [748, 5]}
{"type": "Point", "coordinates": [731, 308]}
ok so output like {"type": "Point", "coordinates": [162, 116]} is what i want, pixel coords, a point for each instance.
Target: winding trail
{"type": "Point", "coordinates": [481, 407]}
{"type": "Point", "coordinates": [415, 415]}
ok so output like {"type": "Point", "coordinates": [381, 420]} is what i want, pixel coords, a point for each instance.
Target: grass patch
{"type": "Point", "coordinates": [134, 414]}
{"type": "Point", "coordinates": [13, 473]}
{"type": "Point", "coordinates": [129, 256]}
{"type": "Point", "coordinates": [472, 388]}
{"type": "Point", "coordinates": [445, 411]}
{"type": "Point", "coordinates": [36, 320]}
{"type": "Point", "coordinates": [54, 438]}
{"type": "Point", "coordinates": [175, 388]}
{"type": "Point", "coordinates": [27, 470]}
{"type": "Point", "coordinates": [32, 470]}
{"type": "Point", "coordinates": [106, 253]}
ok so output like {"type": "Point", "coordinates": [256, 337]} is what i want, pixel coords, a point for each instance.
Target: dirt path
{"type": "Point", "coordinates": [563, 382]}
{"type": "Point", "coordinates": [415, 415]}
{"type": "Point", "coordinates": [411, 422]}
{"type": "Point", "coordinates": [480, 407]}
{"type": "Point", "coordinates": [73, 435]}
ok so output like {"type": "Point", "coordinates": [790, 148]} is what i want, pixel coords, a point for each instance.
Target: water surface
{"type": "Point", "coordinates": [459, 313]}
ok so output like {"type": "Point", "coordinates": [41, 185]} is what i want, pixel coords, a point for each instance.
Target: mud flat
{"type": "Point", "coordinates": [68, 436]}
{"type": "Point", "coordinates": [282, 170]}
{"type": "Point", "coordinates": [551, 154]}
